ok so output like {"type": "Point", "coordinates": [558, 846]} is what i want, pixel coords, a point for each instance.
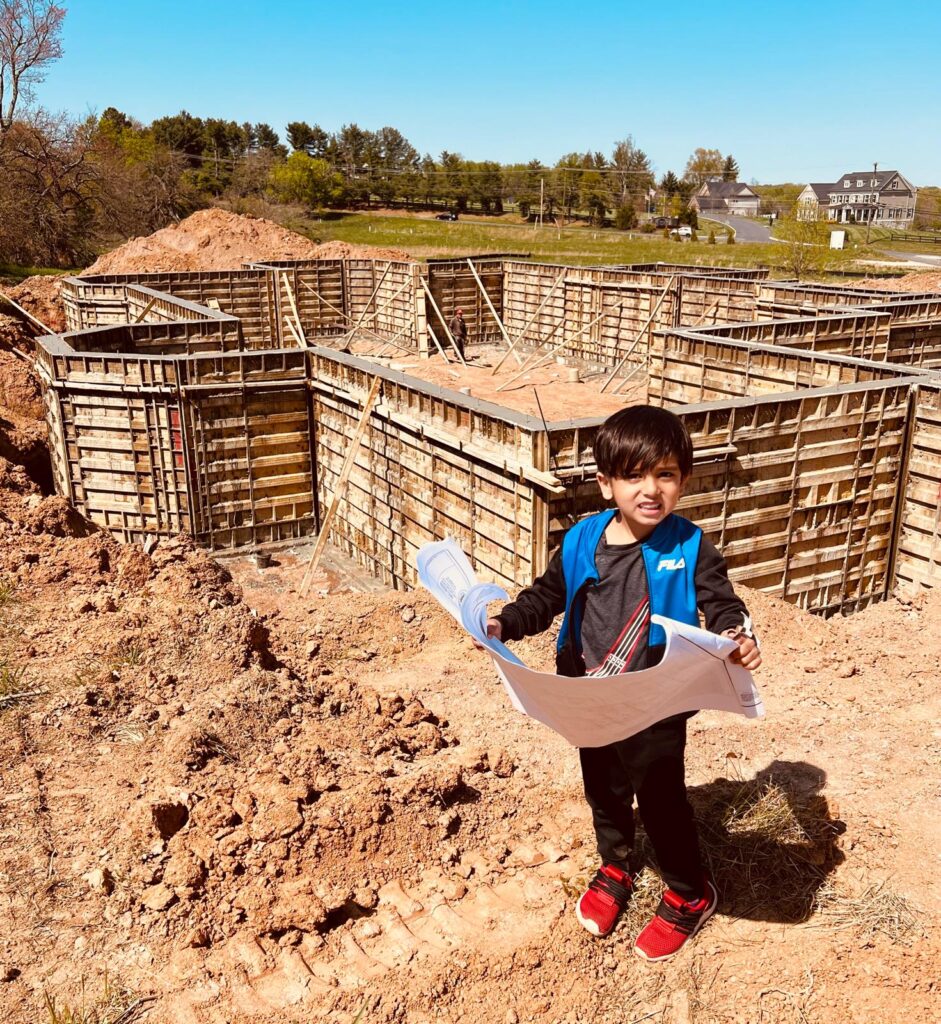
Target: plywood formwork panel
{"type": "Point", "coordinates": [918, 561]}
{"type": "Point", "coordinates": [125, 462]}
{"type": "Point", "coordinates": [799, 491]}
{"type": "Point", "coordinates": [688, 367]}
{"type": "Point", "coordinates": [431, 464]}
{"type": "Point", "coordinates": [453, 286]}
{"type": "Point", "coordinates": [254, 477]}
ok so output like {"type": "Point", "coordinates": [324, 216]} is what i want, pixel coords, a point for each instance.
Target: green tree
{"type": "Point", "coordinates": [306, 179]}
{"type": "Point", "coordinates": [805, 246]}
{"type": "Point", "coordinates": [703, 164]}
{"type": "Point", "coordinates": [730, 169]}
{"type": "Point", "coordinates": [630, 173]}
{"type": "Point", "coordinates": [265, 137]}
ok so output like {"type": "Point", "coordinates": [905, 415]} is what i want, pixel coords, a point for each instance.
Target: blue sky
{"type": "Point", "coordinates": [796, 92]}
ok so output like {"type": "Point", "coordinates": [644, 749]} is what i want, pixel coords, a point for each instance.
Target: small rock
{"type": "Point", "coordinates": [197, 938]}
{"type": "Point", "coordinates": [158, 897]}
{"type": "Point", "coordinates": [101, 880]}
{"type": "Point", "coordinates": [408, 613]}
{"type": "Point", "coordinates": [501, 764]}
{"type": "Point", "coordinates": [279, 820]}
{"type": "Point", "coordinates": [512, 1017]}
{"type": "Point", "coordinates": [846, 670]}
{"type": "Point", "coordinates": [8, 973]}
{"type": "Point", "coordinates": [312, 648]}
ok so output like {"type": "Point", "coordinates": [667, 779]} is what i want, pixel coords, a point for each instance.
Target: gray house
{"type": "Point", "coordinates": [719, 196]}
{"type": "Point", "coordinates": [886, 198]}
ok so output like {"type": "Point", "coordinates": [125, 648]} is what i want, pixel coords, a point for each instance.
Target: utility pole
{"type": "Point", "coordinates": [542, 193]}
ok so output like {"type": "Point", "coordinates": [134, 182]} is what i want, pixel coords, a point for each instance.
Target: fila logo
{"type": "Point", "coordinates": [671, 564]}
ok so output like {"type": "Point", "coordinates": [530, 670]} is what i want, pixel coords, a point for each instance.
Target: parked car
{"type": "Point", "coordinates": [446, 216]}
{"type": "Point", "coordinates": [684, 232]}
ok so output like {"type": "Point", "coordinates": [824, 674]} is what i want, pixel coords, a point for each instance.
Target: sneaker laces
{"type": "Point", "coordinates": [604, 884]}
{"type": "Point", "coordinates": [681, 915]}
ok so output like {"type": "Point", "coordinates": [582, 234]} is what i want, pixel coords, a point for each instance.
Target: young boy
{"type": "Point", "coordinates": [613, 570]}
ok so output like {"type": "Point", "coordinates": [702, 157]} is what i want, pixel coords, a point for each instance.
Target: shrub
{"type": "Point", "coordinates": [730, 238]}
{"type": "Point", "coordinates": [666, 233]}
{"type": "Point", "coordinates": [712, 237]}
{"type": "Point", "coordinates": [625, 217]}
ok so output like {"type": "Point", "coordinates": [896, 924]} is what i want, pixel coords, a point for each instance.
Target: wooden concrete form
{"type": "Point", "coordinates": [220, 404]}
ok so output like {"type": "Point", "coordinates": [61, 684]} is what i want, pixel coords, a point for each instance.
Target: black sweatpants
{"type": "Point", "coordinates": [648, 766]}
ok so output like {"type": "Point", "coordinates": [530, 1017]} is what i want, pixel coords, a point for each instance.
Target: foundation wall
{"type": "Point", "coordinates": [798, 491]}
{"type": "Point", "coordinates": [453, 286]}
{"type": "Point", "coordinates": [690, 368]}
{"type": "Point", "coordinates": [431, 465]}
{"type": "Point", "coordinates": [918, 563]}
{"type": "Point", "coordinates": [804, 427]}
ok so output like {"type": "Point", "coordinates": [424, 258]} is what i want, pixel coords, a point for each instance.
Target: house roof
{"type": "Point", "coordinates": [725, 189]}
{"type": "Point", "coordinates": [882, 178]}
{"type": "Point", "coordinates": [821, 189]}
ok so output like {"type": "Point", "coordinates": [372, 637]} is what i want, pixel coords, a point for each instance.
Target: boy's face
{"type": "Point", "coordinates": [645, 497]}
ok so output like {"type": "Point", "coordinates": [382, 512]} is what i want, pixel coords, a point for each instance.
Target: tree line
{"type": "Point", "coordinates": [69, 186]}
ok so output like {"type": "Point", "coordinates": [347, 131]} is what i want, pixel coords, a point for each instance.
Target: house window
{"type": "Point", "coordinates": [859, 182]}
{"type": "Point", "coordinates": [846, 183]}
{"type": "Point", "coordinates": [874, 182]}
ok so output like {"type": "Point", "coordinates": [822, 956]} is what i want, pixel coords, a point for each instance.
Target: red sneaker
{"type": "Point", "coordinates": [675, 921]}
{"type": "Point", "coordinates": [600, 905]}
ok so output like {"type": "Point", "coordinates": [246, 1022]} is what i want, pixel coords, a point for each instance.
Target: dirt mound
{"type": "Point", "coordinates": [348, 251]}
{"type": "Point", "coordinates": [219, 240]}
{"type": "Point", "coordinates": [39, 295]}
{"type": "Point", "coordinates": [919, 281]}
{"type": "Point", "coordinates": [23, 439]}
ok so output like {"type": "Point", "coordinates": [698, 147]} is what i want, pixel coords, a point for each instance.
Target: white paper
{"type": "Point", "coordinates": [694, 674]}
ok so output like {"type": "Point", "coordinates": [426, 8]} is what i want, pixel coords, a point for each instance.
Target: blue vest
{"type": "Point", "coordinates": [670, 556]}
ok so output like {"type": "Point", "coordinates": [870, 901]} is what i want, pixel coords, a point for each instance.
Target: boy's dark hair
{"type": "Point", "coordinates": [639, 437]}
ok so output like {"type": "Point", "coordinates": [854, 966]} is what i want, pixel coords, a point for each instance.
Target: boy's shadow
{"type": "Point", "coordinates": [770, 841]}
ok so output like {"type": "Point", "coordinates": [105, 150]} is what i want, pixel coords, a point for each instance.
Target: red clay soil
{"type": "Point", "coordinates": [918, 281]}
{"type": "Point", "coordinates": [39, 295]}
{"type": "Point", "coordinates": [255, 807]}
{"type": "Point", "coordinates": [219, 240]}
{"type": "Point", "coordinates": [560, 396]}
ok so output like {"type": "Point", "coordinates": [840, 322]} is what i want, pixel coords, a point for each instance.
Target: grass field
{"type": "Point", "coordinates": [423, 236]}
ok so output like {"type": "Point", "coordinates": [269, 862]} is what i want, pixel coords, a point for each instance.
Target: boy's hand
{"type": "Point", "coordinates": [494, 629]}
{"type": "Point", "coordinates": [747, 655]}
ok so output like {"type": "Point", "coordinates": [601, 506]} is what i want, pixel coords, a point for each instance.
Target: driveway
{"type": "Point", "coordinates": [915, 257]}
{"type": "Point", "coordinates": [745, 230]}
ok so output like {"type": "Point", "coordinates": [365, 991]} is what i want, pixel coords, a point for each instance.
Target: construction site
{"type": "Point", "coordinates": [258, 780]}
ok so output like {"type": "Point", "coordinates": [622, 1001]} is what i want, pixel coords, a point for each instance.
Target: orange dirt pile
{"type": "Point", "coordinates": [22, 422]}
{"type": "Point", "coordinates": [919, 281]}
{"type": "Point", "coordinates": [39, 295]}
{"type": "Point", "coordinates": [219, 240]}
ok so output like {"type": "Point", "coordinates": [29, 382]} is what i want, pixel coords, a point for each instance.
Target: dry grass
{"type": "Point", "coordinates": [115, 1005]}
{"type": "Point", "coordinates": [877, 910]}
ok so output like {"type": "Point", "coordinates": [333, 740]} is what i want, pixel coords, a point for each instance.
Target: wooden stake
{"type": "Point", "coordinates": [530, 321]}
{"type": "Point", "coordinates": [444, 323]}
{"type": "Point", "coordinates": [26, 313]}
{"type": "Point", "coordinates": [299, 333]}
{"type": "Point", "coordinates": [146, 310]}
{"type": "Point", "coordinates": [375, 292]}
{"type": "Point", "coordinates": [434, 338]}
{"type": "Point", "coordinates": [342, 482]}
{"type": "Point", "coordinates": [493, 312]}
{"type": "Point", "coordinates": [562, 344]}
{"type": "Point", "coordinates": [637, 340]}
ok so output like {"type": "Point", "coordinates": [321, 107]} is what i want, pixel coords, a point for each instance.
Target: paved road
{"type": "Point", "coordinates": [915, 257]}
{"type": "Point", "coordinates": [745, 230]}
